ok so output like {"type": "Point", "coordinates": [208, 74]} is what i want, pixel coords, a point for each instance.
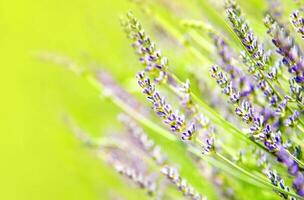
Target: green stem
{"type": "Point", "coordinates": [211, 113]}
{"type": "Point", "coordinates": [166, 134]}
{"type": "Point", "coordinates": [254, 180]}
{"type": "Point", "coordinates": [126, 108]}
{"type": "Point", "coordinates": [263, 75]}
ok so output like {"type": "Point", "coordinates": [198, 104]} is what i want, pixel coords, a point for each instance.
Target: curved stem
{"type": "Point", "coordinates": [126, 108]}
{"type": "Point", "coordinates": [212, 114]}
{"type": "Point", "coordinates": [167, 135]}
{"type": "Point", "coordinates": [257, 180]}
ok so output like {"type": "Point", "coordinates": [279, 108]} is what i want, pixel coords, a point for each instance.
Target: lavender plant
{"type": "Point", "coordinates": [250, 135]}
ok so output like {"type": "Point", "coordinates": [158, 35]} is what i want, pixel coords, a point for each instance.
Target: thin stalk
{"type": "Point", "coordinates": [257, 181]}
{"type": "Point", "coordinates": [256, 178]}
{"type": "Point", "coordinates": [201, 41]}
{"type": "Point", "coordinates": [212, 114]}
{"type": "Point", "coordinates": [166, 134]}
{"type": "Point", "coordinates": [126, 108]}
{"type": "Point", "coordinates": [263, 75]}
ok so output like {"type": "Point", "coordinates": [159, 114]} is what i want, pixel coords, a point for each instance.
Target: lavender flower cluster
{"type": "Point", "coordinates": [137, 177]}
{"type": "Point", "coordinates": [164, 110]}
{"type": "Point", "coordinates": [253, 139]}
{"type": "Point", "coordinates": [244, 109]}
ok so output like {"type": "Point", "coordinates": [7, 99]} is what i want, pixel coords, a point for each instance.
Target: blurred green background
{"type": "Point", "coordinates": [40, 158]}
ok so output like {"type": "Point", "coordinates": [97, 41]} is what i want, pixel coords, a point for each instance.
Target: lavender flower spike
{"type": "Point", "coordinates": [293, 169]}
{"type": "Point", "coordinates": [298, 21]}
{"type": "Point", "coordinates": [150, 57]}
{"type": "Point", "coordinates": [276, 180]}
{"type": "Point", "coordinates": [247, 37]}
{"type": "Point", "coordinates": [164, 110]}
{"type": "Point", "coordinates": [147, 144]}
{"type": "Point", "coordinates": [182, 185]}
{"type": "Point", "coordinates": [293, 57]}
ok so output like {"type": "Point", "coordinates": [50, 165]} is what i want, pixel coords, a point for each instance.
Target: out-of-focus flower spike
{"type": "Point", "coordinates": [107, 80]}
{"type": "Point", "coordinates": [146, 143]}
{"type": "Point", "coordinates": [111, 86]}
{"type": "Point", "coordinates": [275, 8]}
{"type": "Point", "coordinates": [296, 90]}
{"type": "Point", "coordinates": [293, 57]}
{"type": "Point", "coordinates": [79, 133]}
{"type": "Point", "coordinates": [293, 169]}
{"type": "Point", "coordinates": [222, 48]}
{"type": "Point", "coordinates": [125, 164]}
{"type": "Point", "coordinates": [281, 109]}
{"type": "Point", "coordinates": [186, 99]}
{"type": "Point", "coordinates": [182, 184]}
{"type": "Point", "coordinates": [61, 60]}
{"type": "Point", "coordinates": [248, 39]}
{"type": "Point", "coordinates": [298, 184]}
{"type": "Point", "coordinates": [238, 78]}
{"type": "Point", "coordinates": [297, 20]}
{"type": "Point", "coordinates": [292, 119]}
{"type": "Point", "coordinates": [137, 177]}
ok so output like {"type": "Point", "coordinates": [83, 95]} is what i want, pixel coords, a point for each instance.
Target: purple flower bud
{"type": "Point", "coordinates": [299, 79]}
{"type": "Point", "coordinates": [298, 184]}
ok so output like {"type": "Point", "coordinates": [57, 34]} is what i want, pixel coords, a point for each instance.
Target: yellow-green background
{"type": "Point", "coordinates": [40, 158]}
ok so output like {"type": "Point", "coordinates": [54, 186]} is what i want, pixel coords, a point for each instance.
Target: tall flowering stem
{"type": "Point", "coordinates": [260, 131]}
{"type": "Point", "coordinates": [146, 143]}
{"type": "Point", "coordinates": [164, 110]}
{"type": "Point", "coordinates": [297, 20]}
{"type": "Point", "coordinates": [238, 77]}
{"type": "Point", "coordinates": [292, 55]}
{"type": "Point", "coordinates": [293, 58]}
{"type": "Point", "coordinates": [142, 119]}
{"type": "Point", "coordinates": [255, 55]}
{"type": "Point", "coordinates": [269, 121]}
{"type": "Point", "coordinates": [150, 57]}
{"type": "Point", "coordinates": [246, 35]}
{"type": "Point", "coordinates": [259, 62]}
{"type": "Point", "coordinates": [133, 28]}
{"type": "Point", "coordinates": [147, 53]}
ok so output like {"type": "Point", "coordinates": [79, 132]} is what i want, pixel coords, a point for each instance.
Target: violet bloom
{"type": "Point", "coordinates": [298, 184]}
{"type": "Point", "coordinates": [150, 57]}
{"type": "Point", "coordinates": [293, 168]}
{"type": "Point", "coordinates": [247, 37]}
{"type": "Point", "coordinates": [182, 185]}
{"type": "Point", "coordinates": [164, 110]}
{"type": "Point", "coordinates": [292, 55]}
{"type": "Point", "coordinates": [238, 78]}
{"type": "Point", "coordinates": [298, 21]}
